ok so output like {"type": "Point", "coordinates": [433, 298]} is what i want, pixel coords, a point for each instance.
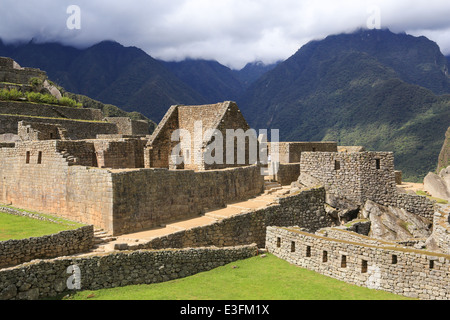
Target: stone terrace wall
{"type": "Point", "coordinates": [14, 252]}
{"type": "Point", "coordinates": [18, 75]}
{"type": "Point", "coordinates": [127, 126]}
{"type": "Point", "coordinates": [49, 111]}
{"type": "Point", "coordinates": [305, 209]}
{"type": "Point", "coordinates": [74, 192]}
{"type": "Point", "coordinates": [412, 273]}
{"type": "Point", "coordinates": [50, 278]}
{"type": "Point", "coordinates": [151, 197]}
{"type": "Point", "coordinates": [76, 130]}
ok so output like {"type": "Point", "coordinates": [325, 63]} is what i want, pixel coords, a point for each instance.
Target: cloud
{"type": "Point", "coordinates": [233, 32]}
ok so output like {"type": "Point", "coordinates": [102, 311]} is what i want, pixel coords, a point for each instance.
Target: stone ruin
{"type": "Point", "coordinates": [112, 174]}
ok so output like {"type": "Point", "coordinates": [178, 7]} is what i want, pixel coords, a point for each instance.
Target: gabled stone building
{"type": "Point", "coordinates": [200, 128]}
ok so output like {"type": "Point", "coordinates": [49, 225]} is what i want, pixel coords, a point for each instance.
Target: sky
{"type": "Point", "coordinates": [233, 32]}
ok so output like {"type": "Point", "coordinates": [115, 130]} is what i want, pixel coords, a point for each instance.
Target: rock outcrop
{"type": "Point", "coordinates": [444, 157]}
{"type": "Point", "coordinates": [438, 186]}
{"type": "Point", "coordinates": [391, 223]}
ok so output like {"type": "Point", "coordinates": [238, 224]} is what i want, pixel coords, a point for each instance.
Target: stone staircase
{"type": "Point", "coordinates": [71, 160]}
{"type": "Point", "coordinates": [101, 240]}
{"type": "Point", "coordinates": [104, 242]}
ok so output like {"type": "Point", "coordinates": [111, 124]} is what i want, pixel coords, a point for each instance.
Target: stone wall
{"type": "Point", "coordinates": [49, 111]}
{"type": "Point", "coordinates": [120, 153]}
{"type": "Point", "coordinates": [51, 278]}
{"type": "Point", "coordinates": [76, 129]}
{"type": "Point", "coordinates": [290, 152]}
{"type": "Point", "coordinates": [362, 176]}
{"type": "Point", "coordinates": [197, 124]}
{"type": "Point", "coordinates": [305, 209]}
{"type": "Point", "coordinates": [127, 126]}
{"type": "Point", "coordinates": [64, 243]}
{"type": "Point", "coordinates": [408, 272]}
{"type": "Point", "coordinates": [60, 177]}
{"type": "Point", "coordinates": [152, 197]}
{"type": "Point", "coordinates": [38, 176]}
{"type": "Point", "coordinates": [10, 71]}
{"type": "Point", "coordinates": [35, 131]}
{"type": "Point", "coordinates": [441, 230]}
{"type": "Point", "coordinates": [288, 173]}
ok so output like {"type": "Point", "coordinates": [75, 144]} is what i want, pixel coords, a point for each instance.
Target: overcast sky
{"type": "Point", "coordinates": [232, 32]}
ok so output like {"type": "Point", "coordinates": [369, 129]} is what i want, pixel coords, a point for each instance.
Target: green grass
{"type": "Point", "coordinates": [17, 227]}
{"type": "Point", "coordinates": [256, 278]}
{"type": "Point", "coordinates": [438, 200]}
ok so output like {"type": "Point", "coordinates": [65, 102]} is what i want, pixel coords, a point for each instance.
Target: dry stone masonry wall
{"type": "Point", "coordinates": [64, 243]}
{"type": "Point", "coordinates": [50, 278]}
{"type": "Point", "coordinates": [363, 176]}
{"type": "Point", "coordinates": [142, 201]}
{"type": "Point", "coordinates": [305, 209]}
{"type": "Point", "coordinates": [412, 273]}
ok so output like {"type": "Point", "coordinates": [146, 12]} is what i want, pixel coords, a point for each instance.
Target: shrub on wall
{"type": "Point", "coordinates": [41, 98]}
{"type": "Point", "coordinates": [65, 101]}
{"type": "Point", "coordinates": [12, 94]}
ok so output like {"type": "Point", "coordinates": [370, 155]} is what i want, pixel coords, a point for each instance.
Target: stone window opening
{"type": "Point", "coordinates": [394, 259]}
{"type": "Point", "coordinates": [308, 252]}
{"type": "Point", "coordinates": [278, 242]}
{"type": "Point", "coordinates": [431, 264]}
{"type": "Point", "coordinates": [293, 246]}
{"type": "Point", "coordinates": [378, 163]}
{"type": "Point", "coordinates": [28, 157]}
{"type": "Point", "coordinates": [159, 154]}
{"type": "Point", "coordinates": [337, 165]}
{"type": "Point", "coordinates": [344, 262]}
{"type": "Point", "coordinates": [325, 256]}
{"type": "Point", "coordinates": [39, 161]}
{"type": "Point", "coordinates": [364, 266]}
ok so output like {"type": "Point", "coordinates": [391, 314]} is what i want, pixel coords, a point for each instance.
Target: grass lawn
{"type": "Point", "coordinates": [256, 278]}
{"type": "Point", "coordinates": [17, 227]}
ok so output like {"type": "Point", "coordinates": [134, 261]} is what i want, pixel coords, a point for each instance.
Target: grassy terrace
{"type": "Point", "coordinates": [14, 227]}
{"type": "Point", "coordinates": [256, 278]}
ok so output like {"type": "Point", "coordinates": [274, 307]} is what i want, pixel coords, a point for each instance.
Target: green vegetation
{"type": "Point", "coordinates": [12, 94]}
{"type": "Point", "coordinates": [68, 102]}
{"type": "Point", "coordinates": [252, 279]}
{"type": "Point", "coordinates": [438, 200]}
{"type": "Point", "coordinates": [356, 90]}
{"type": "Point", "coordinates": [19, 227]}
{"type": "Point", "coordinates": [37, 97]}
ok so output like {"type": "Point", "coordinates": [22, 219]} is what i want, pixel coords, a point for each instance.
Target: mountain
{"type": "Point", "coordinates": [374, 88]}
{"type": "Point", "coordinates": [212, 80]}
{"type": "Point", "coordinates": [109, 72]}
{"type": "Point", "coordinates": [253, 71]}
{"type": "Point", "coordinates": [386, 91]}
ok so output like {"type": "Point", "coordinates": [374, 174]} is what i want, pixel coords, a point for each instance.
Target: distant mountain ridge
{"type": "Point", "coordinates": [130, 78]}
{"type": "Point", "coordinates": [374, 88]}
